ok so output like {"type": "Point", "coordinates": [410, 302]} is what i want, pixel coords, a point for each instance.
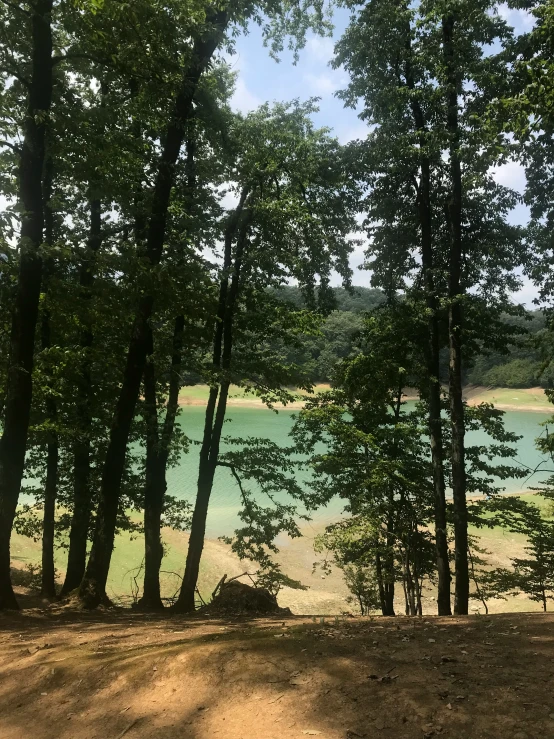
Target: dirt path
{"type": "Point", "coordinates": [105, 676]}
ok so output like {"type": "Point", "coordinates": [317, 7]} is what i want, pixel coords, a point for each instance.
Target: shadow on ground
{"type": "Point", "coordinates": [107, 675]}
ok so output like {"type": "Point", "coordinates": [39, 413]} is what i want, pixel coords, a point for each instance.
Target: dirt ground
{"type": "Point", "coordinates": [108, 675]}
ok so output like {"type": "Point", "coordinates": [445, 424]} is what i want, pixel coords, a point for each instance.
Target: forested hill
{"type": "Point", "coordinates": [519, 367]}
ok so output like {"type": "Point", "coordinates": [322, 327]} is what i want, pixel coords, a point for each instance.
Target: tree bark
{"type": "Point", "coordinates": [433, 391]}
{"type": "Point", "coordinates": [386, 588]}
{"type": "Point", "coordinates": [82, 497]}
{"type": "Point", "coordinates": [93, 586]}
{"type": "Point", "coordinates": [217, 401]}
{"type": "Point", "coordinates": [157, 453]}
{"type": "Point", "coordinates": [48, 584]}
{"type": "Point", "coordinates": [25, 315]}
{"type": "Point", "coordinates": [455, 324]}
{"type": "Point", "coordinates": [432, 352]}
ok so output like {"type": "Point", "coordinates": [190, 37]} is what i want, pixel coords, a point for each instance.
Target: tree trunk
{"type": "Point", "coordinates": [82, 503]}
{"type": "Point", "coordinates": [25, 315]}
{"type": "Point", "coordinates": [154, 491]}
{"type": "Point", "coordinates": [433, 387]}
{"type": "Point", "coordinates": [48, 584]}
{"type": "Point", "coordinates": [93, 586]}
{"type": "Point", "coordinates": [157, 445]}
{"type": "Point", "coordinates": [388, 566]}
{"type": "Point", "coordinates": [380, 583]}
{"type": "Point", "coordinates": [209, 453]}
{"type": "Point", "coordinates": [80, 520]}
{"type": "Point", "coordinates": [157, 453]}
{"type": "Point", "coordinates": [410, 587]}
{"type": "Point", "coordinates": [208, 463]}
{"type": "Point", "coordinates": [455, 320]}
{"type": "Point", "coordinates": [406, 602]}
{"type": "Point", "coordinates": [418, 585]}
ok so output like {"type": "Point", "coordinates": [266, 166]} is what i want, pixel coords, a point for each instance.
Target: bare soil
{"type": "Point", "coordinates": [107, 675]}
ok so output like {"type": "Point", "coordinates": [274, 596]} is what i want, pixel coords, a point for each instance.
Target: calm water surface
{"type": "Point", "coordinates": [243, 422]}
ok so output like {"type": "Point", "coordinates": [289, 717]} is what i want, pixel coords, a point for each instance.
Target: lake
{"type": "Point", "coordinates": [248, 421]}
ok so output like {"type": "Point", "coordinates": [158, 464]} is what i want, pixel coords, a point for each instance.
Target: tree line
{"type": "Point", "coordinates": [521, 363]}
{"type": "Point", "coordinates": [148, 238]}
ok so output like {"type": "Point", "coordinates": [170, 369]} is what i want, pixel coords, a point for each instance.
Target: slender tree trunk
{"type": "Point", "coordinates": [48, 585]}
{"type": "Point", "coordinates": [406, 602]}
{"type": "Point", "coordinates": [25, 315]}
{"type": "Point", "coordinates": [388, 566]}
{"type": "Point", "coordinates": [93, 586]}
{"type": "Point", "coordinates": [82, 502]}
{"type": "Point", "coordinates": [410, 587]}
{"type": "Point", "coordinates": [217, 401]}
{"type": "Point", "coordinates": [158, 444]}
{"type": "Point", "coordinates": [380, 583]}
{"type": "Point", "coordinates": [154, 491]}
{"type": "Point", "coordinates": [157, 453]}
{"type": "Point", "coordinates": [386, 587]}
{"type": "Point", "coordinates": [433, 387]}
{"type": "Point", "coordinates": [455, 323]}
{"type": "Point", "coordinates": [476, 582]}
{"type": "Point", "coordinates": [208, 463]}
{"type": "Point", "coordinates": [418, 586]}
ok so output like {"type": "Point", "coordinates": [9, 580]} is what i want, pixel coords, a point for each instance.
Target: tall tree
{"type": "Point", "coordinates": [207, 38]}
{"type": "Point", "coordinates": [433, 208]}
{"type": "Point", "coordinates": [390, 77]}
{"type": "Point", "coordinates": [37, 75]}
{"type": "Point", "coordinates": [293, 215]}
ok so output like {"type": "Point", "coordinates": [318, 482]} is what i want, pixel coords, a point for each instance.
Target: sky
{"type": "Point", "coordinates": [261, 79]}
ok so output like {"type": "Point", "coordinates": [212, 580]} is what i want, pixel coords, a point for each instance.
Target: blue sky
{"type": "Point", "coordinates": [261, 79]}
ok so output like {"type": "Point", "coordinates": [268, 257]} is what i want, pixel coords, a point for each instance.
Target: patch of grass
{"type": "Point", "coordinates": [524, 398]}
{"type": "Point", "coordinates": [198, 394]}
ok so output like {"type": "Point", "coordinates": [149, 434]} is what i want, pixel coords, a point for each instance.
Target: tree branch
{"type": "Point", "coordinates": [13, 147]}
{"type": "Point", "coordinates": [14, 6]}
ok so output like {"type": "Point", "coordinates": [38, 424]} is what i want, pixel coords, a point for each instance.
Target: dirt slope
{"type": "Point", "coordinates": [104, 676]}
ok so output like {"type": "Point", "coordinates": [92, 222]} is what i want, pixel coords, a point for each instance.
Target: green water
{"type": "Point", "coordinates": [243, 422]}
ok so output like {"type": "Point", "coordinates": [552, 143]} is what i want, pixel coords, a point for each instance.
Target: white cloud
{"type": "Point", "coordinates": [320, 49]}
{"type": "Point", "coordinates": [321, 84]}
{"type": "Point", "coordinates": [325, 83]}
{"type": "Point", "coordinates": [352, 132]}
{"type": "Point", "coordinates": [526, 294]}
{"type": "Point", "coordinates": [511, 174]}
{"type": "Point", "coordinates": [243, 100]}
{"type": "Point", "coordinates": [521, 20]}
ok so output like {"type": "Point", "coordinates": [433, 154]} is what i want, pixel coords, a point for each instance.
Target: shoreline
{"type": "Point", "coordinates": [501, 398]}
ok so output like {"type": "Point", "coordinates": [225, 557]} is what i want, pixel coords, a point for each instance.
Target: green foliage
{"type": "Point", "coordinates": [362, 584]}
{"type": "Point", "coordinates": [534, 573]}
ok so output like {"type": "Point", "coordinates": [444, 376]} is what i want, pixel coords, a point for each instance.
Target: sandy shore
{"type": "Point", "coordinates": [524, 399]}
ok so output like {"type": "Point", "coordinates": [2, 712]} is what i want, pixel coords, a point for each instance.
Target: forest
{"type": "Point", "coordinates": [153, 239]}
{"type": "Point", "coordinates": [519, 364]}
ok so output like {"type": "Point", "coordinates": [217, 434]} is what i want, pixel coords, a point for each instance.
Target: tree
{"type": "Point", "coordinates": [376, 460]}
{"type": "Point", "coordinates": [433, 209]}
{"type": "Point", "coordinates": [533, 574]}
{"type": "Point", "coordinates": [36, 76]}
{"type": "Point", "coordinates": [295, 210]}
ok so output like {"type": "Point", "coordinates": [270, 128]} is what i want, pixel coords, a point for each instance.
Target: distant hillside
{"type": "Point", "coordinates": [519, 367]}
